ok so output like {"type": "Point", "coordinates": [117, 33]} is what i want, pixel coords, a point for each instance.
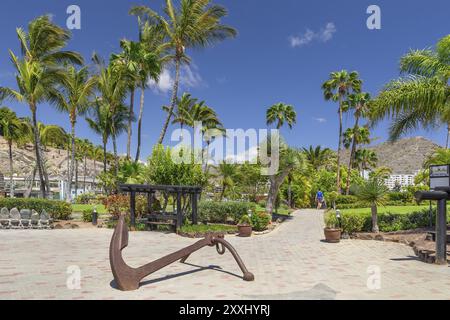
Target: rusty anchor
{"type": "Point", "coordinates": [128, 278]}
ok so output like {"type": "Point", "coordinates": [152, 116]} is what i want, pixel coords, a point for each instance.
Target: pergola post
{"type": "Point", "coordinates": [194, 208]}
{"type": "Point", "coordinates": [133, 208]}
{"type": "Point", "coordinates": [441, 233]}
{"type": "Point", "coordinates": [179, 211]}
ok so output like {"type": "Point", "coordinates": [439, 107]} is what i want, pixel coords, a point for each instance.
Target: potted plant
{"type": "Point", "coordinates": [332, 230]}
{"type": "Point", "coordinates": [245, 226]}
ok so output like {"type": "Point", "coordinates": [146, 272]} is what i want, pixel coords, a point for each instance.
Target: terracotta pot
{"type": "Point", "coordinates": [245, 230]}
{"type": "Point", "coordinates": [332, 235]}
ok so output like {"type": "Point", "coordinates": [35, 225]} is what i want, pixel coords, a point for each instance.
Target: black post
{"type": "Point", "coordinates": [179, 211]}
{"type": "Point", "coordinates": [441, 232]}
{"type": "Point", "coordinates": [149, 202]}
{"type": "Point", "coordinates": [133, 208]}
{"type": "Point", "coordinates": [194, 208]}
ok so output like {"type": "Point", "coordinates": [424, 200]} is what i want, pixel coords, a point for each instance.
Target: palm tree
{"type": "Point", "coordinates": [38, 73]}
{"type": "Point", "coordinates": [281, 113]}
{"type": "Point", "coordinates": [113, 89]}
{"type": "Point", "coordinates": [182, 115]}
{"type": "Point", "coordinates": [100, 122]}
{"type": "Point", "coordinates": [317, 157]}
{"type": "Point", "coordinates": [360, 103]}
{"type": "Point", "coordinates": [373, 191]}
{"type": "Point", "coordinates": [365, 159]}
{"type": "Point", "coordinates": [337, 88]}
{"type": "Point", "coordinates": [227, 172]}
{"type": "Point", "coordinates": [13, 130]}
{"type": "Point", "coordinates": [77, 89]}
{"type": "Point", "coordinates": [421, 98]}
{"type": "Point", "coordinates": [194, 24]}
{"type": "Point", "coordinates": [441, 156]}
{"type": "Point", "coordinates": [138, 62]}
{"type": "Point", "coordinates": [96, 154]}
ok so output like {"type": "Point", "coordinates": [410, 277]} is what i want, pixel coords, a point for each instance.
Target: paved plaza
{"type": "Point", "coordinates": [292, 262]}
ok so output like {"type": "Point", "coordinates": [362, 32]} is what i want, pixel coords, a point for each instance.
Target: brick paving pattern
{"type": "Point", "coordinates": [292, 262]}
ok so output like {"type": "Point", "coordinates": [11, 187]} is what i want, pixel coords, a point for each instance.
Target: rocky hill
{"type": "Point", "coordinates": [404, 156]}
{"type": "Point", "coordinates": [56, 160]}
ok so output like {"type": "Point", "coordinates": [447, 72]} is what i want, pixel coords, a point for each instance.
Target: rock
{"type": "Point", "coordinates": [14, 214]}
{"type": "Point", "coordinates": [25, 214]}
{"type": "Point", "coordinates": [4, 213]}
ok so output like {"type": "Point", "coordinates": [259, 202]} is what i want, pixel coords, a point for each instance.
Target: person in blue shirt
{"type": "Point", "coordinates": [320, 199]}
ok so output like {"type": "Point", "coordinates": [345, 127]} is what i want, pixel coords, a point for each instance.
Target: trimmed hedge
{"type": "Point", "coordinates": [387, 222]}
{"type": "Point", "coordinates": [223, 212]}
{"type": "Point", "coordinates": [59, 210]}
{"type": "Point", "coordinates": [360, 204]}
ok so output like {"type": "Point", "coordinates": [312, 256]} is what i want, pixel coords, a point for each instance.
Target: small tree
{"type": "Point", "coordinates": [373, 191]}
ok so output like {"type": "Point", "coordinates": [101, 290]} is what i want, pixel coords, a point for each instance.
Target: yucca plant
{"type": "Point", "coordinates": [374, 192]}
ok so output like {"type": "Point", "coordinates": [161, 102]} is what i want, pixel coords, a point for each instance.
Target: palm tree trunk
{"type": "Point", "coordinates": [130, 130]}
{"type": "Point", "coordinates": [448, 137]}
{"type": "Point", "coordinates": [116, 157]}
{"type": "Point", "coordinates": [141, 114]}
{"type": "Point", "coordinates": [338, 183]}
{"type": "Point", "coordinates": [11, 170]}
{"type": "Point", "coordinates": [37, 147]}
{"type": "Point", "coordinates": [174, 99]}
{"type": "Point", "coordinates": [290, 193]}
{"type": "Point", "coordinates": [104, 155]}
{"type": "Point", "coordinates": [30, 186]}
{"type": "Point", "coordinates": [352, 154]}
{"type": "Point", "coordinates": [375, 228]}
{"type": "Point", "coordinates": [84, 174]}
{"type": "Point", "coordinates": [272, 197]}
{"type": "Point", "coordinates": [68, 169]}
{"type": "Point", "coordinates": [76, 178]}
{"type": "Point", "coordinates": [72, 165]}
{"type": "Point", "coordinates": [95, 172]}
{"type": "Point", "coordinates": [222, 194]}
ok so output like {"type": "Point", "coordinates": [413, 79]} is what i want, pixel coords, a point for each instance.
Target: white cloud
{"type": "Point", "coordinates": [189, 78]}
{"type": "Point", "coordinates": [164, 84]}
{"type": "Point", "coordinates": [325, 34]}
{"type": "Point", "coordinates": [320, 120]}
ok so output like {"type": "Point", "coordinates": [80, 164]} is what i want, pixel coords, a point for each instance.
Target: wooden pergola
{"type": "Point", "coordinates": [155, 218]}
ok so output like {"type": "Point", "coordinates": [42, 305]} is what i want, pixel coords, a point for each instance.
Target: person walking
{"type": "Point", "coordinates": [320, 199]}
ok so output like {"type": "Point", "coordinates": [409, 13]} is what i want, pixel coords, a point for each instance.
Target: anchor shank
{"type": "Point", "coordinates": [156, 265]}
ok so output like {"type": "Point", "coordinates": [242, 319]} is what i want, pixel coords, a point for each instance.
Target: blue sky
{"type": "Point", "coordinates": [284, 52]}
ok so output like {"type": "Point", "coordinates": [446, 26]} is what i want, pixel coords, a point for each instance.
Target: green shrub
{"type": "Point", "coordinates": [59, 210]}
{"type": "Point", "coordinates": [387, 222]}
{"type": "Point", "coordinates": [245, 221]}
{"type": "Point", "coordinates": [87, 215]}
{"type": "Point", "coordinates": [343, 199]}
{"type": "Point", "coordinates": [223, 212]}
{"type": "Point", "coordinates": [260, 221]}
{"type": "Point", "coordinates": [403, 197]}
{"type": "Point", "coordinates": [352, 223]}
{"type": "Point", "coordinates": [331, 220]}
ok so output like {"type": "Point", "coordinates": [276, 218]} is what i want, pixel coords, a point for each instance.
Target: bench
{"type": "Point", "coordinates": [433, 236]}
{"type": "Point", "coordinates": [160, 219]}
{"type": "Point", "coordinates": [24, 219]}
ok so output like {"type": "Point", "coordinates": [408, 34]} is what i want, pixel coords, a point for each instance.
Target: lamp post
{"type": "Point", "coordinates": [94, 216]}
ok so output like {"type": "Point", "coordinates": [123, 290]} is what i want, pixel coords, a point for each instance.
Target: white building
{"type": "Point", "coordinates": [400, 179]}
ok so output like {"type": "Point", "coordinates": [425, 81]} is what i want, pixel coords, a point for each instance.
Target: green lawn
{"type": "Point", "coordinates": [281, 211]}
{"type": "Point", "coordinates": [201, 228]}
{"type": "Point", "coordinates": [79, 208]}
{"type": "Point", "coordinates": [391, 209]}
